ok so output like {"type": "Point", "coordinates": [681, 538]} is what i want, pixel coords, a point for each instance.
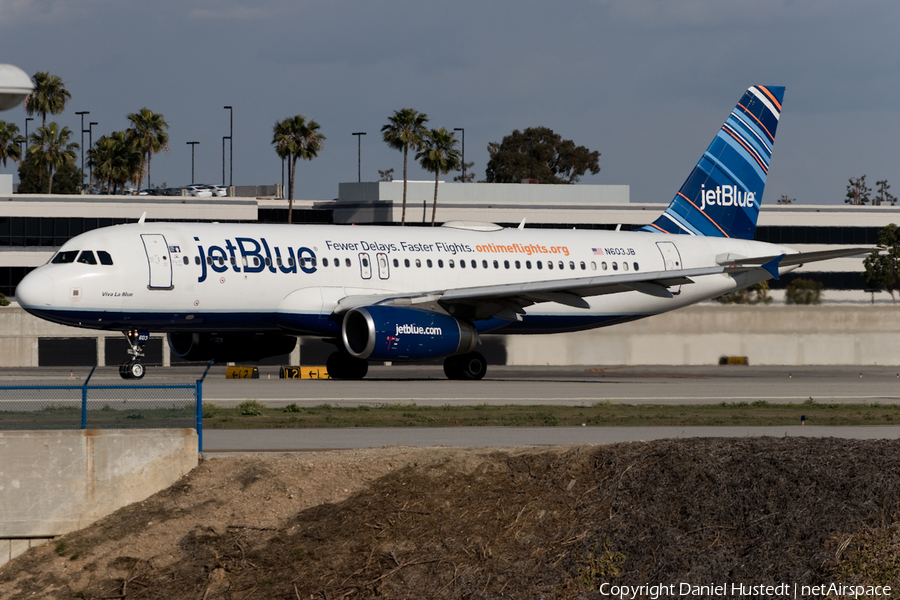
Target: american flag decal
{"type": "Point", "coordinates": [597, 250]}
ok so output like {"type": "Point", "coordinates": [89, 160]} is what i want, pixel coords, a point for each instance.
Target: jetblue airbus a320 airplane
{"type": "Point", "coordinates": [244, 292]}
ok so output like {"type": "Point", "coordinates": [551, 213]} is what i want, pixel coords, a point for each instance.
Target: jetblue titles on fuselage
{"type": "Point", "coordinates": [248, 255]}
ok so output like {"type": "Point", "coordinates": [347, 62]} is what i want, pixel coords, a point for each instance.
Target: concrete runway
{"type": "Point", "coordinates": [426, 385]}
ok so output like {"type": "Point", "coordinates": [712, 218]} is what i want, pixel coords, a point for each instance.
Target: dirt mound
{"type": "Point", "coordinates": [520, 523]}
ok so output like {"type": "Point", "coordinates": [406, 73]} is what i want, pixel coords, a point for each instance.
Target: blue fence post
{"type": "Point", "coordinates": [200, 415]}
{"type": "Point", "coordinates": [84, 395]}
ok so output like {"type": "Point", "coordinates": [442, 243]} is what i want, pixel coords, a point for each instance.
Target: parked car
{"type": "Point", "coordinates": [200, 191]}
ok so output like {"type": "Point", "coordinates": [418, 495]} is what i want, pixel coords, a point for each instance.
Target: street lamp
{"type": "Point", "coordinates": [192, 144]}
{"type": "Point", "coordinates": [224, 137]}
{"type": "Point", "coordinates": [230, 148]}
{"type": "Point", "coordinates": [463, 151]}
{"type": "Point", "coordinates": [359, 135]}
{"type": "Point", "coordinates": [26, 129]}
{"type": "Point", "coordinates": [82, 113]}
{"type": "Point", "coordinates": [91, 143]}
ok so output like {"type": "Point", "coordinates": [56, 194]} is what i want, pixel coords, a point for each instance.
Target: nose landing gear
{"type": "Point", "coordinates": [133, 368]}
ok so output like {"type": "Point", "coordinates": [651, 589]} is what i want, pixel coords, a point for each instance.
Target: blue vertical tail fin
{"type": "Point", "coordinates": [723, 193]}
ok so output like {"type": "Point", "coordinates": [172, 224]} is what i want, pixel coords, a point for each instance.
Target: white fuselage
{"type": "Point", "coordinates": [170, 277]}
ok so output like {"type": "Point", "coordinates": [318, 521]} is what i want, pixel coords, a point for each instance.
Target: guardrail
{"type": "Point", "coordinates": [85, 406]}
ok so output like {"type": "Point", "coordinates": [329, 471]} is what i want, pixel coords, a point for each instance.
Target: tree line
{"type": "Point", "coordinates": [49, 156]}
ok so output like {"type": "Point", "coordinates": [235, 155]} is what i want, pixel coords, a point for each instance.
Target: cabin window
{"type": "Point", "coordinates": [347, 262]}
{"type": "Point", "coordinates": [278, 260]}
{"type": "Point", "coordinates": [187, 261]}
{"type": "Point", "coordinates": [593, 266]}
{"type": "Point", "coordinates": [572, 265]}
{"type": "Point", "coordinates": [603, 265]}
{"type": "Point", "coordinates": [496, 265]}
{"type": "Point", "coordinates": [583, 266]}
{"type": "Point", "coordinates": [365, 262]}
{"type": "Point", "coordinates": [518, 265]}
{"type": "Point", "coordinates": [324, 262]}
{"type": "Point", "coordinates": [615, 266]}
{"type": "Point", "coordinates": [562, 265]}
{"type": "Point", "coordinates": [106, 259]}
{"type": "Point", "coordinates": [87, 257]}
{"type": "Point", "coordinates": [62, 258]}
{"type": "Point", "coordinates": [337, 262]}
{"type": "Point", "coordinates": [527, 264]}
{"type": "Point", "coordinates": [209, 260]}
{"type": "Point", "coordinates": [196, 260]}
{"type": "Point", "coordinates": [268, 262]}
{"type": "Point", "coordinates": [550, 264]}
{"type": "Point", "coordinates": [406, 262]}
{"type": "Point", "coordinates": [540, 265]}
{"type": "Point", "coordinates": [440, 264]}
{"type": "Point", "coordinates": [636, 266]}
{"type": "Point", "coordinates": [474, 264]}
{"type": "Point", "coordinates": [418, 263]}
{"type": "Point", "coordinates": [428, 262]}
{"type": "Point", "coordinates": [505, 264]}
{"type": "Point", "coordinates": [233, 261]}
{"type": "Point", "coordinates": [624, 266]}
{"type": "Point", "coordinates": [255, 261]}
{"type": "Point", "coordinates": [313, 261]}
{"type": "Point", "coordinates": [450, 263]}
{"type": "Point", "coordinates": [243, 261]}
{"type": "Point", "coordinates": [462, 264]}
{"type": "Point", "coordinates": [396, 263]}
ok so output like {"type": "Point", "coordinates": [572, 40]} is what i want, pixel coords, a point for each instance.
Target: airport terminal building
{"type": "Point", "coordinates": [33, 227]}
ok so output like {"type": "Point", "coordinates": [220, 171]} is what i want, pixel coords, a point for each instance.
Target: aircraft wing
{"type": "Point", "coordinates": [505, 300]}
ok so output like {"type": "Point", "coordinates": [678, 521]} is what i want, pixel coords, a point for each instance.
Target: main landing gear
{"type": "Point", "coordinates": [341, 365]}
{"type": "Point", "coordinates": [471, 366]}
{"type": "Point", "coordinates": [133, 368]}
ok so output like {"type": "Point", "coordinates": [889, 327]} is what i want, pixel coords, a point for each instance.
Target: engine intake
{"type": "Point", "coordinates": [394, 332]}
{"type": "Point", "coordinates": [230, 347]}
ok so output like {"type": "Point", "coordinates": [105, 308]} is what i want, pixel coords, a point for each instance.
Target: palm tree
{"type": "Point", "coordinates": [114, 160]}
{"type": "Point", "coordinates": [438, 155]}
{"type": "Point", "coordinates": [149, 132]}
{"type": "Point", "coordinates": [50, 146]}
{"type": "Point", "coordinates": [9, 143]}
{"type": "Point", "coordinates": [405, 130]}
{"type": "Point", "coordinates": [49, 96]}
{"type": "Point", "coordinates": [296, 138]}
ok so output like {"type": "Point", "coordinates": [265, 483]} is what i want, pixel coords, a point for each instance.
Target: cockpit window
{"type": "Point", "coordinates": [87, 257]}
{"type": "Point", "coordinates": [106, 259]}
{"type": "Point", "coordinates": [64, 257]}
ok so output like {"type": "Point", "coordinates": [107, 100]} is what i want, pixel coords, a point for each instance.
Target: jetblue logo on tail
{"type": "Point", "coordinates": [722, 195]}
{"type": "Point", "coordinates": [726, 195]}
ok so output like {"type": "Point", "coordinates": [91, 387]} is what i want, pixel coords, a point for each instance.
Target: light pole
{"type": "Point", "coordinates": [224, 137]}
{"type": "Point", "coordinates": [82, 113]}
{"type": "Point", "coordinates": [462, 129]}
{"type": "Point", "coordinates": [91, 143]}
{"type": "Point", "coordinates": [26, 130]}
{"type": "Point", "coordinates": [192, 144]}
{"type": "Point", "coordinates": [530, 158]}
{"type": "Point", "coordinates": [359, 135]}
{"type": "Point", "coordinates": [230, 148]}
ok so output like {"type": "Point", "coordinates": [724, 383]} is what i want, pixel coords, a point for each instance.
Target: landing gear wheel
{"type": "Point", "coordinates": [132, 369]}
{"type": "Point", "coordinates": [471, 366]}
{"type": "Point", "coordinates": [341, 365]}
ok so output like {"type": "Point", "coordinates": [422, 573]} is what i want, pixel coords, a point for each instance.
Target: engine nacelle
{"type": "Point", "coordinates": [230, 347]}
{"type": "Point", "coordinates": [396, 332]}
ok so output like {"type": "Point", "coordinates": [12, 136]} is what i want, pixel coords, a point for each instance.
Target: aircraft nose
{"type": "Point", "coordinates": [36, 289]}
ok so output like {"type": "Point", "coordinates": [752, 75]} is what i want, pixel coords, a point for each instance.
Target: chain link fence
{"type": "Point", "coordinates": [132, 406]}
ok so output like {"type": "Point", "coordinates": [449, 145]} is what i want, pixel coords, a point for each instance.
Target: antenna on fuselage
{"type": "Point", "coordinates": [143, 216]}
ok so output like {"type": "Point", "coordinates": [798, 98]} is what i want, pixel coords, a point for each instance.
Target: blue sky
{"type": "Point", "coordinates": [645, 82]}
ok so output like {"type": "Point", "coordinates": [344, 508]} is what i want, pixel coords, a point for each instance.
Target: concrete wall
{"type": "Point", "coordinates": [54, 482]}
{"type": "Point", "coordinates": [857, 334]}
{"type": "Point", "coordinates": [839, 334]}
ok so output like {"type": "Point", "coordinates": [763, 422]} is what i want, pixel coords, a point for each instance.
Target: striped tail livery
{"type": "Point", "coordinates": [723, 193]}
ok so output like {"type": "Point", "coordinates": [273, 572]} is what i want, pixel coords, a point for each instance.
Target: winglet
{"type": "Point", "coordinates": [522, 224]}
{"type": "Point", "coordinates": [143, 216]}
{"type": "Point", "coordinates": [772, 266]}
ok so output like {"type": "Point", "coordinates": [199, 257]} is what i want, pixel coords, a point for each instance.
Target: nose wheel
{"type": "Point", "coordinates": [133, 368]}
